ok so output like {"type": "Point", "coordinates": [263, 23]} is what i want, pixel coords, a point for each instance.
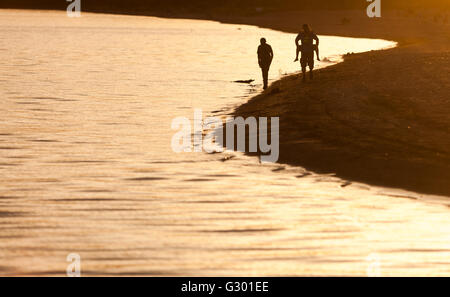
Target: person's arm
{"type": "Point", "coordinates": [297, 39]}
{"type": "Point", "coordinates": [316, 39]}
{"type": "Point", "coordinates": [259, 55]}
{"type": "Point", "coordinates": [271, 53]}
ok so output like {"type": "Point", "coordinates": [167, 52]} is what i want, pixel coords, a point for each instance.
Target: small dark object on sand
{"type": "Point", "coordinates": [278, 169]}
{"type": "Point", "coordinates": [346, 184]}
{"type": "Point", "coordinates": [303, 174]}
{"type": "Point", "coordinates": [227, 158]}
{"type": "Point", "coordinates": [249, 81]}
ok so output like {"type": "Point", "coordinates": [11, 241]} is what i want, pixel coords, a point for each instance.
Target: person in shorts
{"type": "Point", "coordinates": [307, 48]}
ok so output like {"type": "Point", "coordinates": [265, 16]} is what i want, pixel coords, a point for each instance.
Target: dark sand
{"type": "Point", "coordinates": [380, 117]}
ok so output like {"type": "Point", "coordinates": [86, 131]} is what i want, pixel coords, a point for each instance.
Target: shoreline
{"type": "Point", "coordinates": [91, 168]}
{"type": "Point", "coordinates": [385, 130]}
{"type": "Point", "coordinates": [391, 127]}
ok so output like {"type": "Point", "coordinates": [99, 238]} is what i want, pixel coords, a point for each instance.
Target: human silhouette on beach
{"type": "Point", "coordinates": [307, 48]}
{"type": "Point", "coordinates": [265, 57]}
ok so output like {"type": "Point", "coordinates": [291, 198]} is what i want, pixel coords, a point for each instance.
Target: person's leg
{"type": "Point", "coordinates": [303, 74]}
{"type": "Point", "coordinates": [265, 73]}
{"type": "Point", "coordinates": [303, 63]}
{"type": "Point", "coordinates": [311, 64]}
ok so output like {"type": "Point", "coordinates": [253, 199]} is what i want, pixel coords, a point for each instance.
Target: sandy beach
{"type": "Point", "coordinates": [90, 173]}
{"type": "Point", "coordinates": [378, 117]}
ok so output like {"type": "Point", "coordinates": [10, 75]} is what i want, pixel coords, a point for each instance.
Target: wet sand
{"type": "Point", "coordinates": [378, 117]}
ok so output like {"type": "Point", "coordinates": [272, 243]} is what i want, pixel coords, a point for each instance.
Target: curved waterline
{"type": "Point", "coordinates": [87, 166]}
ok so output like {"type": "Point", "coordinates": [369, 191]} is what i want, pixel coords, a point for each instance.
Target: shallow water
{"type": "Point", "coordinates": [87, 165]}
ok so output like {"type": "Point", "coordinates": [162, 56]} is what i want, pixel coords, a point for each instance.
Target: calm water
{"type": "Point", "coordinates": [87, 166]}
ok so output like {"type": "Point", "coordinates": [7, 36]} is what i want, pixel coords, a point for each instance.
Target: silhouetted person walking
{"type": "Point", "coordinates": [307, 49]}
{"type": "Point", "coordinates": [265, 56]}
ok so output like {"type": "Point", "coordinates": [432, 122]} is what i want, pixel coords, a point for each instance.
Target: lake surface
{"type": "Point", "coordinates": [87, 165]}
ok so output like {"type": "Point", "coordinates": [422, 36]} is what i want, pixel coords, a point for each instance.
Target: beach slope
{"type": "Point", "coordinates": [379, 117]}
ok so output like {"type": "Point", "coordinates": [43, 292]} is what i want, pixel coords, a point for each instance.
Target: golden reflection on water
{"type": "Point", "coordinates": [87, 167]}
